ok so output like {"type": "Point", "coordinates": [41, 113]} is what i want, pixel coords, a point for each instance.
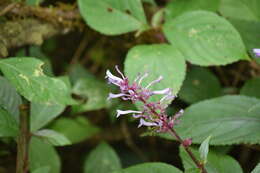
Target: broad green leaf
{"type": "Point", "coordinates": [27, 77]}
{"type": "Point", "coordinates": [192, 170]}
{"type": "Point", "coordinates": [251, 88]}
{"type": "Point", "coordinates": [204, 38]}
{"type": "Point", "coordinates": [42, 154]}
{"type": "Point", "coordinates": [249, 31]}
{"type": "Point", "coordinates": [217, 163]}
{"type": "Point", "coordinates": [200, 84]}
{"type": "Point", "coordinates": [44, 169]}
{"type": "Point", "coordinates": [77, 71]}
{"type": "Point", "coordinates": [257, 169]}
{"type": "Point", "coordinates": [76, 130]}
{"type": "Point", "coordinates": [112, 17]}
{"type": "Point", "coordinates": [94, 91]}
{"type": "Point", "coordinates": [229, 119]}
{"type": "Point", "coordinates": [33, 2]}
{"type": "Point", "coordinates": [8, 125]}
{"type": "Point", "coordinates": [9, 98]}
{"type": "Point", "coordinates": [152, 2]}
{"type": "Point", "coordinates": [42, 114]}
{"type": "Point", "coordinates": [176, 8]}
{"type": "Point", "coordinates": [102, 159]}
{"type": "Point", "coordinates": [204, 150]}
{"type": "Point", "coordinates": [53, 137]}
{"type": "Point", "coordinates": [241, 9]}
{"type": "Point", "coordinates": [152, 167]}
{"type": "Point", "coordinates": [158, 60]}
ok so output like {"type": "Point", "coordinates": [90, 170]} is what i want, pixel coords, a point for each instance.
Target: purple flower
{"type": "Point", "coordinates": [257, 52]}
{"type": "Point", "coordinates": [153, 113]}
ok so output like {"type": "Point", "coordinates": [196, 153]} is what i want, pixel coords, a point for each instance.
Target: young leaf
{"type": "Point", "coordinates": [26, 75]}
{"type": "Point", "coordinates": [8, 125]}
{"type": "Point", "coordinates": [113, 17]}
{"type": "Point", "coordinates": [154, 167]}
{"type": "Point", "coordinates": [53, 137]}
{"type": "Point", "coordinates": [103, 159]}
{"type": "Point", "coordinates": [94, 91]}
{"type": "Point", "coordinates": [204, 150]}
{"type": "Point", "coordinates": [9, 98]}
{"type": "Point", "coordinates": [43, 155]}
{"type": "Point", "coordinates": [257, 169]}
{"type": "Point", "coordinates": [42, 114]}
{"type": "Point", "coordinates": [241, 9]}
{"type": "Point", "coordinates": [217, 163]}
{"type": "Point", "coordinates": [204, 38]}
{"type": "Point", "coordinates": [251, 88]}
{"type": "Point", "coordinates": [76, 130]}
{"type": "Point", "coordinates": [176, 8]}
{"type": "Point", "coordinates": [157, 60]}
{"type": "Point", "coordinates": [229, 119]}
{"type": "Point", "coordinates": [200, 84]}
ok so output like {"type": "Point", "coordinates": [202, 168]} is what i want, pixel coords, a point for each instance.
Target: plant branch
{"type": "Point", "coordinates": [22, 163]}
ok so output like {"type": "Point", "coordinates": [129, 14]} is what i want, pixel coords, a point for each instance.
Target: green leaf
{"type": "Point", "coordinates": [43, 155]}
{"type": "Point", "coordinates": [45, 169]}
{"type": "Point", "coordinates": [152, 2]}
{"type": "Point", "coordinates": [200, 84]}
{"type": "Point", "coordinates": [33, 2]}
{"type": "Point", "coordinates": [251, 88]}
{"type": "Point", "coordinates": [204, 150]}
{"type": "Point", "coordinates": [158, 60]}
{"type": "Point", "coordinates": [53, 137]}
{"type": "Point", "coordinates": [205, 38]}
{"type": "Point", "coordinates": [9, 98]}
{"type": "Point", "coordinates": [94, 91]}
{"type": "Point", "coordinates": [229, 119]}
{"type": "Point", "coordinates": [113, 17]}
{"type": "Point", "coordinates": [249, 31]}
{"type": "Point", "coordinates": [257, 169]}
{"type": "Point", "coordinates": [42, 114]}
{"type": "Point", "coordinates": [241, 9]}
{"type": "Point", "coordinates": [76, 130]}
{"type": "Point", "coordinates": [176, 8]}
{"type": "Point", "coordinates": [8, 125]}
{"type": "Point", "coordinates": [153, 167]}
{"type": "Point", "coordinates": [193, 170]}
{"type": "Point", "coordinates": [217, 163]}
{"type": "Point", "coordinates": [27, 77]}
{"type": "Point", "coordinates": [102, 159]}
{"type": "Point", "coordinates": [77, 71]}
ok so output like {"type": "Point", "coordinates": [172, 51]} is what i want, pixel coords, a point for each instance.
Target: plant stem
{"type": "Point", "coordinates": [22, 162]}
{"type": "Point", "coordinates": [187, 149]}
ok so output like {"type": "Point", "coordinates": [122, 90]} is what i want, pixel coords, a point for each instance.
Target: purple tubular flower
{"type": "Point", "coordinates": [153, 113]}
{"type": "Point", "coordinates": [257, 52]}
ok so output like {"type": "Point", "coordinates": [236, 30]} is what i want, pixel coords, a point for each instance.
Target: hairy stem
{"type": "Point", "coordinates": [22, 162]}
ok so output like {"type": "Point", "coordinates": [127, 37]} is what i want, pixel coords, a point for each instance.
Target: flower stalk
{"type": "Point", "coordinates": [153, 114]}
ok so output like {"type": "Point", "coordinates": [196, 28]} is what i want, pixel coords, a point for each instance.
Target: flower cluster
{"type": "Point", "coordinates": [257, 52]}
{"type": "Point", "coordinates": [153, 113]}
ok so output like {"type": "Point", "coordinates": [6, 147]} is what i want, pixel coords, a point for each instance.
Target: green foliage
{"type": "Point", "coordinates": [199, 84]}
{"type": "Point", "coordinates": [257, 169]}
{"type": "Point", "coordinates": [205, 38]}
{"type": "Point", "coordinates": [94, 91]}
{"type": "Point", "coordinates": [103, 159]}
{"type": "Point", "coordinates": [117, 16]}
{"type": "Point", "coordinates": [9, 98]}
{"type": "Point", "coordinates": [204, 150]}
{"type": "Point", "coordinates": [251, 88]}
{"type": "Point", "coordinates": [155, 167]}
{"type": "Point", "coordinates": [45, 169]}
{"type": "Point", "coordinates": [223, 118]}
{"type": "Point", "coordinates": [76, 130]}
{"type": "Point", "coordinates": [156, 60]}
{"type": "Point", "coordinates": [217, 163]}
{"type": "Point", "coordinates": [42, 114]}
{"type": "Point", "coordinates": [241, 9]}
{"type": "Point", "coordinates": [8, 125]}
{"type": "Point", "coordinates": [27, 77]}
{"type": "Point", "coordinates": [43, 155]}
{"type": "Point", "coordinates": [52, 137]}
{"type": "Point", "coordinates": [176, 8]}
